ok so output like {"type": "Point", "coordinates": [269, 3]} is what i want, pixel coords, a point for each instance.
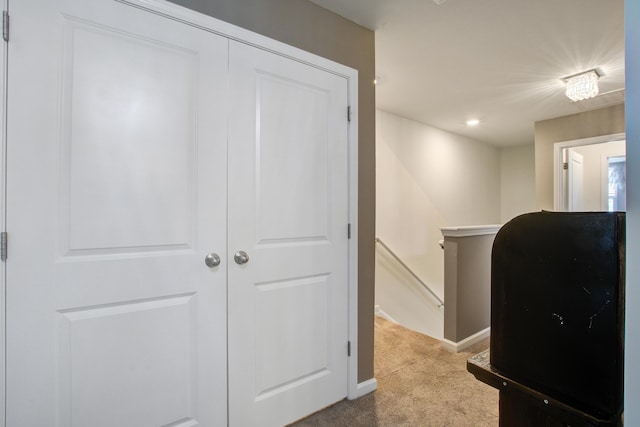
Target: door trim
{"type": "Point", "coordinates": [241, 35]}
{"type": "Point", "coordinates": [233, 32]}
{"type": "Point", "coordinates": [3, 211]}
{"type": "Point", "coordinates": [558, 190]}
{"type": "Point", "coordinates": [213, 25]}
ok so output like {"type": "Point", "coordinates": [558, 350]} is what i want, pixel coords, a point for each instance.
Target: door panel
{"type": "Point", "coordinates": [116, 191]}
{"type": "Point", "coordinates": [100, 345]}
{"type": "Point", "coordinates": [288, 210]}
{"type": "Point", "coordinates": [127, 122]}
{"type": "Point", "coordinates": [293, 142]}
{"type": "Point", "coordinates": [294, 311]}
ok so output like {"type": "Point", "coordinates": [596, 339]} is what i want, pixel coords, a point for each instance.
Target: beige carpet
{"type": "Point", "coordinates": [419, 384]}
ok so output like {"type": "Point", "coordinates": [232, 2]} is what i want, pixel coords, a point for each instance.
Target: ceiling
{"type": "Point", "coordinates": [443, 62]}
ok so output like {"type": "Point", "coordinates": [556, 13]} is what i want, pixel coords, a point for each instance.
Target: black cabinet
{"type": "Point", "coordinates": [557, 317]}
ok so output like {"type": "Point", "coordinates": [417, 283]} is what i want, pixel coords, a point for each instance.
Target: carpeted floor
{"type": "Point", "coordinates": [419, 384]}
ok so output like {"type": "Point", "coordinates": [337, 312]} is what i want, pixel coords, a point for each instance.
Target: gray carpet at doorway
{"type": "Point", "coordinates": [419, 384]}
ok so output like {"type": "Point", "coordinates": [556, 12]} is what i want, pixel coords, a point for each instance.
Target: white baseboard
{"type": "Point", "coordinates": [380, 312]}
{"type": "Point", "coordinates": [364, 388]}
{"type": "Point", "coordinates": [467, 342]}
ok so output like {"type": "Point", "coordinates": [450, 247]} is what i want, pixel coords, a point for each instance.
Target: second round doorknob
{"type": "Point", "coordinates": [241, 257]}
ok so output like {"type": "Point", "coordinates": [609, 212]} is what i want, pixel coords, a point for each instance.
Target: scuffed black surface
{"type": "Point", "coordinates": [557, 307]}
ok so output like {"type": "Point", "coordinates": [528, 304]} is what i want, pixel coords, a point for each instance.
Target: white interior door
{"type": "Point", "coordinates": [288, 210]}
{"type": "Point", "coordinates": [575, 177]}
{"type": "Point", "coordinates": [116, 191]}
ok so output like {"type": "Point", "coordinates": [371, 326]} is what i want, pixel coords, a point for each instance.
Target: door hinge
{"type": "Point", "coordinates": [348, 348]}
{"type": "Point", "coordinates": [565, 166]}
{"type": "Point", "coordinates": [349, 113]}
{"type": "Point", "coordinates": [5, 25]}
{"type": "Point", "coordinates": [3, 246]}
{"type": "Point", "coordinates": [349, 231]}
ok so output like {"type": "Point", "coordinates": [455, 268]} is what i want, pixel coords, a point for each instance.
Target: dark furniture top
{"type": "Point", "coordinates": [557, 309]}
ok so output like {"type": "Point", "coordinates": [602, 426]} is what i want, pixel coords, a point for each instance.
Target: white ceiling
{"type": "Point", "coordinates": [500, 61]}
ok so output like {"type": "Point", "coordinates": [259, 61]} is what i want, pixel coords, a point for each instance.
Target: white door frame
{"type": "Point", "coordinates": [3, 211]}
{"type": "Point", "coordinates": [213, 25]}
{"type": "Point", "coordinates": [558, 189]}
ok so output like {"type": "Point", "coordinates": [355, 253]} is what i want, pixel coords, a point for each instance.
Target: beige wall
{"type": "Point", "coordinates": [517, 181]}
{"type": "Point", "coordinates": [605, 121]}
{"type": "Point", "coordinates": [467, 308]}
{"type": "Point", "coordinates": [427, 179]}
{"type": "Point", "coordinates": [309, 27]}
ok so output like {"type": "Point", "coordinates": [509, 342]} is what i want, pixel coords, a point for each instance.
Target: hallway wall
{"type": "Point", "coordinates": [605, 121]}
{"type": "Point", "coordinates": [517, 181]}
{"type": "Point", "coordinates": [426, 178]}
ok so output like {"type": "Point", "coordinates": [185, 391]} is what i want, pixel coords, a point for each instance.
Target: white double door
{"type": "Point", "coordinates": [136, 146]}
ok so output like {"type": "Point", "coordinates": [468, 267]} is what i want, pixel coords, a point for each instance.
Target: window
{"type": "Point", "coordinates": [617, 184]}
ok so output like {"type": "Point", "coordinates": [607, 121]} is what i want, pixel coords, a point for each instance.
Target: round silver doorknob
{"type": "Point", "coordinates": [241, 257]}
{"type": "Point", "coordinates": [212, 260]}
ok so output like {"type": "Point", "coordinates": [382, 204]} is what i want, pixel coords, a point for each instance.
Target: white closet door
{"type": "Point", "coordinates": [288, 211]}
{"type": "Point", "coordinates": [116, 193]}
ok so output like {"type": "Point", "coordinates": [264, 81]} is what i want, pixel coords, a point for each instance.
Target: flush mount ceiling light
{"type": "Point", "coordinates": [473, 122]}
{"type": "Point", "coordinates": [582, 86]}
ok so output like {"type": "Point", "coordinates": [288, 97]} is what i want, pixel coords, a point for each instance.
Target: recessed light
{"type": "Point", "coordinates": [473, 122]}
